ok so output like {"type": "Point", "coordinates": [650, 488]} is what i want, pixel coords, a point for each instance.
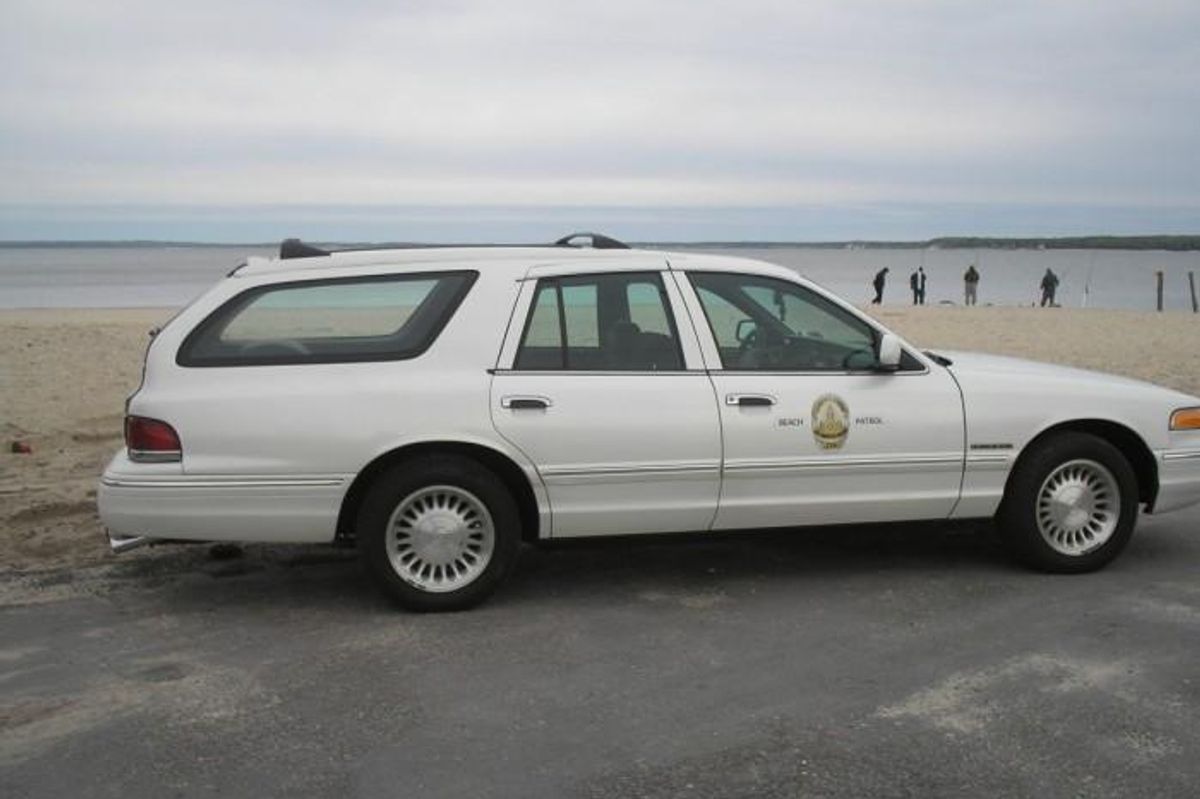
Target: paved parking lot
{"type": "Point", "coordinates": [849, 662]}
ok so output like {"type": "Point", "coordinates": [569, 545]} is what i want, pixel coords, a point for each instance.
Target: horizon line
{"type": "Point", "coordinates": [1184, 241]}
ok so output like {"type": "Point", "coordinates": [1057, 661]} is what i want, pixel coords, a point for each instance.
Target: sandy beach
{"type": "Point", "coordinates": [65, 374]}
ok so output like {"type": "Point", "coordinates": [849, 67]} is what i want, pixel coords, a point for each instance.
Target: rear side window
{"type": "Point", "coordinates": [379, 318]}
{"type": "Point", "coordinates": [608, 322]}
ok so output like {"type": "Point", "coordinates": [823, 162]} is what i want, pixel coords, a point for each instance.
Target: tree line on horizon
{"type": "Point", "coordinates": [1176, 243]}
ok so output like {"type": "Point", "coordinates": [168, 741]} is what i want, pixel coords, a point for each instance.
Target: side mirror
{"type": "Point", "coordinates": [746, 328]}
{"type": "Point", "coordinates": [888, 357]}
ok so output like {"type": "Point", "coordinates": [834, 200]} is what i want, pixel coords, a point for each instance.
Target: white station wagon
{"type": "Point", "coordinates": [440, 406]}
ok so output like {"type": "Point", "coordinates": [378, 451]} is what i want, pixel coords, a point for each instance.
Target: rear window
{"type": "Point", "coordinates": [379, 318]}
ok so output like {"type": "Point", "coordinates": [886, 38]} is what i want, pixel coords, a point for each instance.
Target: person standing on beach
{"type": "Point", "coordinates": [971, 285]}
{"type": "Point", "coordinates": [914, 284]}
{"type": "Point", "coordinates": [1049, 287]}
{"type": "Point", "coordinates": [878, 283]}
{"type": "Point", "coordinates": [920, 285]}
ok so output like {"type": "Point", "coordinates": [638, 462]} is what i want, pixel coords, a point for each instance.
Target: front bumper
{"type": "Point", "coordinates": [1178, 479]}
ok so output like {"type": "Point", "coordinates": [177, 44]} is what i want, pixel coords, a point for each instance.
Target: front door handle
{"type": "Point", "coordinates": [750, 400]}
{"type": "Point", "coordinates": [527, 402]}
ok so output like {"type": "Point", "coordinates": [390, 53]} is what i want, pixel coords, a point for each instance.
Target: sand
{"type": "Point", "coordinates": [64, 377]}
{"type": "Point", "coordinates": [65, 374]}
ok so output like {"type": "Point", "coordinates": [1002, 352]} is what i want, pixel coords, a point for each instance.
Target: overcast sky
{"type": "Point", "coordinates": [651, 120]}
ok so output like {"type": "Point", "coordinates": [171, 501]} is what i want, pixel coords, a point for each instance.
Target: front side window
{"type": "Point", "coordinates": [764, 324]}
{"type": "Point", "coordinates": [612, 322]}
{"type": "Point", "coordinates": [328, 321]}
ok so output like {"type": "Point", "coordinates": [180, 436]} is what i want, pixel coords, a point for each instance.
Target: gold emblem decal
{"type": "Point", "coordinates": [830, 421]}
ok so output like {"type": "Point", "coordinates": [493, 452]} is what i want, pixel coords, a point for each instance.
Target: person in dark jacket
{"type": "Point", "coordinates": [1049, 288]}
{"type": "Point", "coordinates": [971, 285]}
{"type": "Point", "coordinates": [879, 282]}
{"type": "Point", "coordinates": [914, 283]}
{"type": "Point", "coordinates": [920, 285]}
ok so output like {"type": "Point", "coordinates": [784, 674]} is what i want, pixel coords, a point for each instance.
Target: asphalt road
{"type": "Point", "coordinates": [848, 662]}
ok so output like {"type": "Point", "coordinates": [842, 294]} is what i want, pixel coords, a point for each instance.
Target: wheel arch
{"type": "Point", "coordinates": [1124, 438]}
{"type": "Point", "coordinates": [501, 464]}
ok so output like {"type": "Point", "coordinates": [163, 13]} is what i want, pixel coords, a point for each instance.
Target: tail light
{"type": "Point", "coordinates": [151, 441]}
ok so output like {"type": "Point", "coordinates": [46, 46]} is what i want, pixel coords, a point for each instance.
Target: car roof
{"type": "Point", "coordinates": [518, 257]}
{"type": "Point", "coordinates": [711, 262]}
{"type": "Point", "coordinates": [515, 261]}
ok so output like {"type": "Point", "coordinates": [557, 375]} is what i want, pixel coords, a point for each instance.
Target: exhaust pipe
{"type": "Point", "coordinates": [120, 544]}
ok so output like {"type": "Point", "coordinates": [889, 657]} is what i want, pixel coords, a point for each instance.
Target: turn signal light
{"type": "Point", "coordinates": [1186, 419]}
{"type": "Point", "coordinates": [151, 441]}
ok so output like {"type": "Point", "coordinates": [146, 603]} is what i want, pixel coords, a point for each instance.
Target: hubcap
{"type": "Point", "coordinates": [440, 538]}
{"type": "Point", "coordinates": [1078, 507]}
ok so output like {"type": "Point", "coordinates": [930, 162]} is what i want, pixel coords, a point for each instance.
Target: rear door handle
{"type": "Point", "coordinates": [749, 400]}
{"type": "Point", "coordinates": [529, 402]}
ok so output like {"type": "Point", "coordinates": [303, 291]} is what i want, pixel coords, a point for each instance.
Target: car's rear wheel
{"type": "Point", "coordinates": [438, 532]}
{"type": "Point", "coordinates": [1071, 505]}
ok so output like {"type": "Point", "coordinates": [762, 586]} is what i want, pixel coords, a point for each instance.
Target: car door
{"type": "Point", "coordinates": [603, 388]}
{"type": "Point", "coordinates": [813, 431]}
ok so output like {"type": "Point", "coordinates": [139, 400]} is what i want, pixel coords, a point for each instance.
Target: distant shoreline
{"type": "Point", "coordinates": [1173, 243]}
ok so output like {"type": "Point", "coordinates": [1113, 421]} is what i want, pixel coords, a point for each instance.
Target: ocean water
{"type": "Point", "coordinates": [1095, 278]}
{"type": "Point", "coordinates": [112, 277]}
{"type": "Point", "coordinates": [115, 277]}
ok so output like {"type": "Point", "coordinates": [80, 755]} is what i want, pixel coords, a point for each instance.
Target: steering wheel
{"type": "Point", "coordinates": [766, 348]}
{"type": "Point", "coordinates": [801, 352]}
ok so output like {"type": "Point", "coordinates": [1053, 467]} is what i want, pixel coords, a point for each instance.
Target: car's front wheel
{"type": "Point", "coordinates": [1071, 505]}
{"type": "Point", "coordinates": [438, 532]}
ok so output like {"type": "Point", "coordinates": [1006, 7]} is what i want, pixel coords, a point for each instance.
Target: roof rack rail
{"type": "Point", "coordinates": [294, 248]}
{"type": "Point", "coordinates": [597, 241]}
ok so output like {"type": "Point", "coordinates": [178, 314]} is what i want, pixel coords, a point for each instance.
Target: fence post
{"type": "Point", "coordinates": [1158, 277]}
{"type": "Point", "coordinates": [1192, 286]}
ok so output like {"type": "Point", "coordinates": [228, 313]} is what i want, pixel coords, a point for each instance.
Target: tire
{"type": "Point", "coordinates": [1070, 506]}
{"type": "Point", "coordinates": [438, 532]}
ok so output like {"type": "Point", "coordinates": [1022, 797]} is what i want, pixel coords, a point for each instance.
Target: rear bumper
{"type": "Point", "coordinates": [136, 505]}
{"type": "Point", "coordinates": [1178, 480]}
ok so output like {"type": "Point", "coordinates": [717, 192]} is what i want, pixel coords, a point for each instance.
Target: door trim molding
{"type": "Point", "coordinates": [205, 481]}
{"type": "Point", "coordinates": [622, 469]}
{"type": "Point", "coordinates": [851, 463]}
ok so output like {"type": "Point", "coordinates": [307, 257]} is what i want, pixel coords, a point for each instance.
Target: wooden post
{"type": "Point", "coordinates": [1158, 276]}
{"type": "Point", "coordinates": [1192, 286]}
